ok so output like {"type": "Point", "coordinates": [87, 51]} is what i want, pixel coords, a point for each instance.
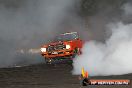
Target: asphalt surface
{"type": "Point", "coordinates": [47, 76]}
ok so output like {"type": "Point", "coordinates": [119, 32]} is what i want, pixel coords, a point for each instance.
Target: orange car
{"type": "Point", "coordinates": [65, 46]}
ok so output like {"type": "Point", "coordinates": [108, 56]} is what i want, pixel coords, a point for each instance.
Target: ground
{"type": "Point", "coordinates": [46, 76]}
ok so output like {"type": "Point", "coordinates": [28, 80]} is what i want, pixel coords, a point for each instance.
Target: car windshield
{"type": "Point", "coordinates": [66, 37]}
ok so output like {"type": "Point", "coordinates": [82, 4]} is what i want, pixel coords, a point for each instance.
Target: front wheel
{"type": "Point", "coordinates": [48, 60]}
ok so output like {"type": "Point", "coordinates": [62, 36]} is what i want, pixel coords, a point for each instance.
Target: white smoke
{"type": "Point", "coordinates": [114, 57]}
{"type": "Point", "coordinates": [128, 9]}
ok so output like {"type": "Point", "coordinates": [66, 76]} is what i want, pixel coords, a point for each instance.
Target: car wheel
{"type": "Point", "coordinates": [48, 61]}
{"type": "Point", "coordinates": [76, 52]}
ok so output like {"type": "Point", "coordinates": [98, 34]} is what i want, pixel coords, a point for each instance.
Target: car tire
{"type": "Point", "coordinates": [47, 61]}
{"type": "Point", "coordinates": [76, 52]}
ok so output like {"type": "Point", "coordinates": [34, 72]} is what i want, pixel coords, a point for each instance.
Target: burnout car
{"type": "Point", "coordinates": [64, 47]}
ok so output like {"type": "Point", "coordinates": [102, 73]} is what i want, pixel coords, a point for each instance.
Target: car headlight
{"type": "Point", "coordinates": [43, 49]}
{"type": "Point", "coordinates": [68, 46]}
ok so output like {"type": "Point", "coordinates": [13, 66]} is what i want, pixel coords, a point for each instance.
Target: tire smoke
{"type": "Point", "coordinates": [114, 57]}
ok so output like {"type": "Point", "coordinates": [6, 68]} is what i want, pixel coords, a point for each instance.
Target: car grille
{"type": "Point", "coordinates": [56, 47]}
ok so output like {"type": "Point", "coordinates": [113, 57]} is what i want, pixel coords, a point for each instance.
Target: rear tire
{"type": "Point", "coordinates": [76, 52]}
